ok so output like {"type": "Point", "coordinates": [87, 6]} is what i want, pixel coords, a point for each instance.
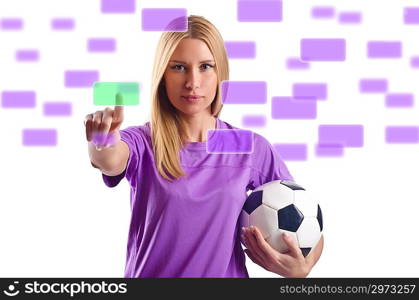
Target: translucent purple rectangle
{"type": "Point", "coordinates": [27, 55]}
{"type": "Point", "coordinates": [254, 121]}
{"type": "Point", "coordinates": [11, 24]}
{"type": "Point", "coordinates": [414, 62]}
{"type": "Point", "coordinates": [57, 109]}
{"type": "Point", "coordinates": [18, 99]}
{"type": "Point", "coordinates": [292, 152]}
{"type": "Point", "coordinates": [399, 100]}
{"type": "Point", "coordinates": [243, 92]}
{"type": "Point", "coordinates": [345, 135]}
{"type": "Point", "coordinates": [323, 12]}
{"type": "Point", "coordinates": [233, 141]}
{"type": "Point", "coordinates": [411, 15]}
{"type": "Point", "coordinates": [350, 17]}
{"type": "Point", "coordinates": [39, 137]}
{"type": "Point", "coordinates": [101, 45]}
{"type": "Point", "coordinates": [236, 49]}
{"type": "Point", "coordinates": [384, 49]}
{"type": "Point", "coordinates": [373, 85]}
{"type": "Point", "coordinates": [296, 64]}
{"type": "Point", "coordinates": [62, 24]}
{"type": "Point", "coordinates": [80, 78]}
{"type": "Point", "coordinates": [323, 49]}
{"type": "Point", "coordinates": [118, 6]}
{"type": "Point", "coordinates": [402, 134]}
{"type": "Point", "coordinates": [259, 10]}
{"type": "Point", "coordinates": [329, 150]}
{"type": "Point", "coordinates": [164, 19]}
{"type": "Point", "coordinates": [286, 108]}
{"type": "Point", "coordinates": [309, 91]}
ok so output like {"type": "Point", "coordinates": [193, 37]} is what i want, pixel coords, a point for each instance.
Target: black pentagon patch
{"type": "Point", "coordinates": [305, 251]}
{"type": "Point", "coordinates": [290, 218]}
{"type": "Point", "coordinates": [253, 201]}
{"type": "Point", "coordinates": [320, 217]}
{"type": "Point", "coordinates": [292, 185]}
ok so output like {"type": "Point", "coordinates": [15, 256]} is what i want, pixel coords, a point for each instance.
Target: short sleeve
{"type": "Point", "coordinates": [132, 136]}
{"type": "Point", "coordinates": [267, 164]}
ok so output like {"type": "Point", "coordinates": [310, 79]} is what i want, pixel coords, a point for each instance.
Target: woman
{"type": "Point", "coordinates": [186, 202]}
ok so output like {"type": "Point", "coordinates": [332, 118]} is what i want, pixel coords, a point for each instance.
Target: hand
{"type": "Point", "coordinates": [103, 126]}
{"type": "Point", "coordinates": [289, 264]}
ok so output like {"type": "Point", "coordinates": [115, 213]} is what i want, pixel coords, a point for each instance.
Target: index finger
{"type": "Point", "coordinates": [119, 107]}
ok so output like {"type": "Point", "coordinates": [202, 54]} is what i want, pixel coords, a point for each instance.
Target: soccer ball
{"type": "Point", "coordinates": [283, 206]}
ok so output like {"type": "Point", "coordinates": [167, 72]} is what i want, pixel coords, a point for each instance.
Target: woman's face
{"type": "Point", "coordinates": [191, 71]}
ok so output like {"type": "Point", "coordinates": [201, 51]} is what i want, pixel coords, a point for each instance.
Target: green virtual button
{"type": "Point", "coordinates": [116, 93]}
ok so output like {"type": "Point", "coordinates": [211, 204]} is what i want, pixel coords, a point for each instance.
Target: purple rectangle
{"type": "Point", "coordinates": [101, 45]}
{"type": "Point", "coordinates": [384, 49]}
{"type": "Point", "coordinates": [294, 63]}
{"type": "Point", "coordinates": [57, 109]}
{"type": "Point", "coordinates": [292, 152]}
{"type": "Point", "coordinates": [287, 108]}
{"type": "Point", "coordinates": [62, 24]}
{"type": "Point", "coordinates": [414, 62]}
{"type": "Point", "coordinates": [373, 85]}
{"type": "Point", "coordinates": [231, 141]}
{"type": "Point", "coordinates": [323, 12]}
{"type": "Point", "coordinates": [243, 92]}
{"type": "Point", "coordinates": [345, 135]}
{"type": "Point", "coordinates": [236, 49]}
{"type": "Point", "coordinates": [254, 121]}
{"type": "Point", "coordinates": [399, 100]}
{"type": "Point", "coordinates": [411, 15]}
{"type": "Point", "coordinates": [350, 17]}
{"type": "Point", "coordinates": [11, 24]}
{"type": "Point", "coordinates": [39, 137]}
{"type": "Point", "coordinates": [323, 49]}
{"type": "Point", "coordinates": [18, 99]}
{"type": "Point", "coordinates": [329, 150]}
{"type": "Point", "coordinates": [27, 55]}
{"type": "Point", "coordinates": [313, 91]}
{"type": "Point", "coordinates": [259, 10]}
{"type": "Point", "coordinates": [80, 78]}
{"type": "Point", "coordinates": [118, 6]}
{"type": "Point", "coordinates": [402, 134]}
{"type": "Point", "coordinates": [164, 19]}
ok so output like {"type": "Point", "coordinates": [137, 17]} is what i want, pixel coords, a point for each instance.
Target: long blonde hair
{"type": "Point", "coordinates": [166, 125]}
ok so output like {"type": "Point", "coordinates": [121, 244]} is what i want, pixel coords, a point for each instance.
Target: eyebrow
{"type": "Point", "coordinates": [182, 62]}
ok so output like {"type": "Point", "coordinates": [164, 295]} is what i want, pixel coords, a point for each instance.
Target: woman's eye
{"type": "Point", "coordinates": [177, 67]}
{"type": "Point", "coordinates": [209, 66]}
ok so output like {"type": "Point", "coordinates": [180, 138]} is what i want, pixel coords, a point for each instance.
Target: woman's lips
{"type": "Point", "coordinates": [191, 98]}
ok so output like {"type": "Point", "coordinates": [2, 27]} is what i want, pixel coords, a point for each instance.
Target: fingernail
{"type": "Point", "coordinates": [98, 148]}
{"type": "Point", "coordinates": [285, 235]}
{"type": "Point", "coordinates": [243, 229]}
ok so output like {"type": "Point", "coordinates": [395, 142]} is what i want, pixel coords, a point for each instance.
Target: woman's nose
{"type": "Point", "coordinates": [193, 80]}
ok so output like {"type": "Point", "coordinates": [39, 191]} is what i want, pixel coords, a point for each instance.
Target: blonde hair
{"type": "Point", "coordinates": [166, 126]}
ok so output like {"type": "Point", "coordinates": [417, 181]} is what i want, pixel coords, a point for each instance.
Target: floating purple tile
{"type": "Point", "coordinates": [57, 109]}
{"type": "Point", "coordinates": [345, 135]}
{"type": "Point", "coordinates": [373, 85]}
{"type": "Point", "coordinates": [384, 49]}
{"type": "Point", "coordinates": [80, 78]}
{"type": "Point", "coordinates": [329, 150]}
{"type": "Point", "coordinates": [309, 91]}
{"type": "Point", "coordinates": [27, 55]}
{"type": "Point", "coordinates": [414, 62]}
{"type": "Point", "coordinates": [259, 10]}
{"type": "Point", "coordinates": [402, 134]}
{"type": "Point", "coordinates": [254, 121]}
{"type": "Point", "coordinates": [292, 152]}
{"type": "Point", "coordinates": [411, 15]}
{"type": "Point", "coordinates": [118, 6]}
{"type": "Point", "coordinates": [294, 63]}
{"type": "Point", "coordinates": [243, 92]}
{"type": "Point", "coordinates": [286, 108]}
{"type": "Point", "coordinates": [39, 137]}
{"type": "Point", "coordinates": [350, 17]}
{"type": "Point", "coordinates": [399, 100]}
{"type": "Point", "coordinates": [100, 139]}
{"type": "Point", "coordinates": [62, 24]}
{"type": "Point", "coordinates": [18, 99]}
{"type": "Point", "coordinates": [323, 49]}
{"type": "Point", "coordinates": [237, 49]}
{"type": "Point", "coordinates": [101, 45]}
{"type": "Point", "coordinates": [322, 12]}
{"type": "Point", "coordinates": [11, 24]}
{"type": "Point", "coordinates": [164, 19]}
{"type": "Point", "coordinates": [231, 141]}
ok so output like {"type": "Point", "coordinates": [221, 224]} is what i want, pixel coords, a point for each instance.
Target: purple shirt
{"type": "Point", "coordinates": [189, 227]}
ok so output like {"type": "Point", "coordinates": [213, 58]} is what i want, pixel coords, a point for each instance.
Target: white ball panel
{"type": "Point", "coordinates": [244, 222]}
{"type": "Point", "coordinates": [308, 233]}
{"type": "Point", "coordinates": [277, 195]}
{"type": "Point", "coordinates": [265, 218]}
{"type": "Point", "coordinates": [305, 203]}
